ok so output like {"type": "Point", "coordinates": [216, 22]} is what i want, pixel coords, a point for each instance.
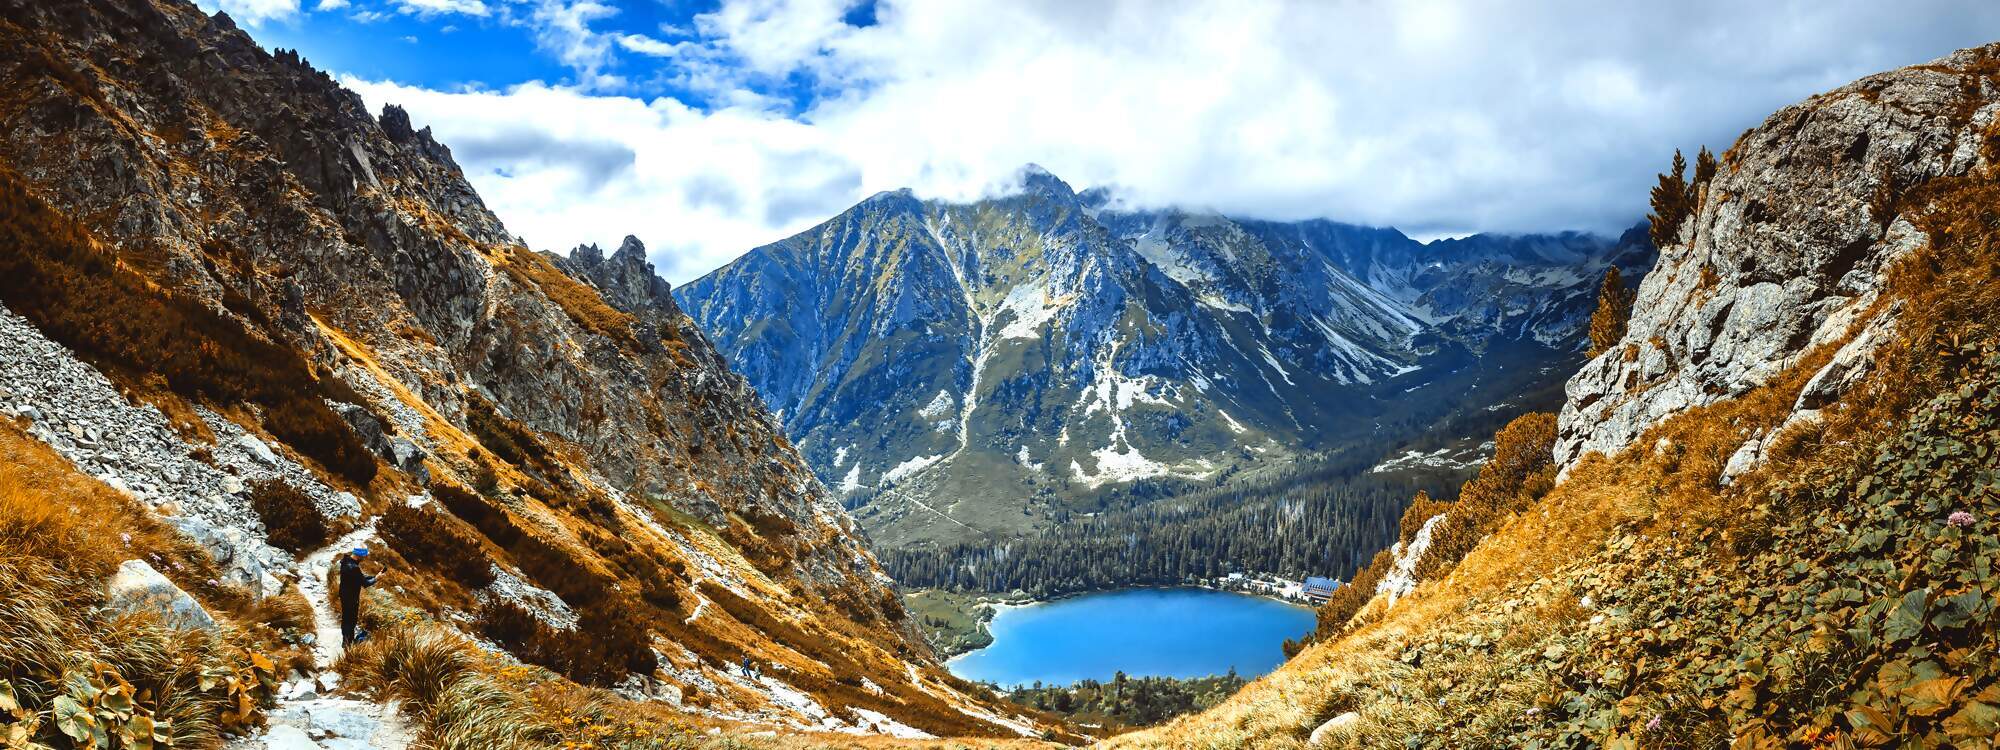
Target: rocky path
{"type": "Point", "coordinates": [321, 723]}
{"type": "Point", "coordinates": [306, 718]}
{"type": "Point", "coordinates": [326, 623]}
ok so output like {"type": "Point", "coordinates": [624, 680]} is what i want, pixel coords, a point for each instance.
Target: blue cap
{"type": "Point", "coordinates": [360, 551]}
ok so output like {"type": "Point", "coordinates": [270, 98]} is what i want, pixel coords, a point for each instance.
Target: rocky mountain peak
{"type": "Point", "coordinates": [1035, 179]}
{"type": "Point", "coordinates": [631, 252]}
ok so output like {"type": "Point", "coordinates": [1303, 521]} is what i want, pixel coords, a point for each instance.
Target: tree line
{"type": "Point", "coordinates": [1125, 701]}
{"type": "Point", "coordinates": [1318, 517]}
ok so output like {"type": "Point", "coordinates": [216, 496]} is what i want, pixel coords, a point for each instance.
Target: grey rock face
{"type": "Point", "coordinates": [137, 587]}
{"type": "Point", "coordinates": [1786, 254]}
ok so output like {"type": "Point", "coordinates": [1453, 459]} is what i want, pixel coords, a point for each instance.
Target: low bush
{"type": "Point", "coordinates": [559, 570]}
{"type": "Point", "coordinates": [1522, 470]}
{"type": "Point", "coordinates": [294, 523]}
{"type": "Point", "coordinates": [430, 539]}
{"type": "Point", "coordinates": [483, 513]}
{"type": "Point", "coordinates": [608, 643]}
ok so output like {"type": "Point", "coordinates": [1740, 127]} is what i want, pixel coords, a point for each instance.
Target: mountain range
{"type": "Point", "coordinates": [965, 370]}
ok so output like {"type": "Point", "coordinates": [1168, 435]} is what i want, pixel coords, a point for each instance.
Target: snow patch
{"type": "Point", "coordinates": [879, 724]}
{"type": "Point", "coordinates": [938, 405]}
{"type": "Point", "coordinates": [1114, 465]}
{"type": "Point", "coordinates": [1273, 362]}
{"type": "Point", "coordinates": [1031, 309]}
{"type": "Point", "coordinates": [1447, 458]}
{"type": "Point", "coordinates": [852, 481]}
{"type": "Point", "coordinates": [1234, 426]}
{"type": "Point", "coordinates": [1027, 460]}
{"type": "Point", "coordinates": [1220, 303]}
{"type": "Point", "coordinates": [912, 466]}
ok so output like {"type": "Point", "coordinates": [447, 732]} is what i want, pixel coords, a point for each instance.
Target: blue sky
{"type": "Point", "coordinates": [457, 44]}
{"type": "Point", "coordinates": [708, 128]}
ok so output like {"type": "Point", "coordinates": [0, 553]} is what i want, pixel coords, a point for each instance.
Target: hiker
{"type": "Point", "coordinates": [747, 673]}
{"type": "Point", "coordinates": [352, 580]}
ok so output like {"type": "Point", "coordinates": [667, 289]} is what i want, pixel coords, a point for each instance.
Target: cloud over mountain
{"type": "Point", "coordinates": [1436, 117]}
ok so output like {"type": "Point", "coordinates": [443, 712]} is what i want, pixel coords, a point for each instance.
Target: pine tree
{"type": "Point", "coordinates": [1704, 171]}
{"type": "Point", "coordinates": [1671, 203]}
{"type": "Point", "coordinates": [1614, 307]}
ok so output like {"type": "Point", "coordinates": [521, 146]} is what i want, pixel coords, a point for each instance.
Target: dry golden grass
{"type": "Point", "coordinates": [583, 304]}
{"type": "Point", "coordinates": [62, 535]}
{"type": "Point", "coordinates": [48, 510]}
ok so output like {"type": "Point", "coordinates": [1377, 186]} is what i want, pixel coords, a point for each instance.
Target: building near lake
{"type": "Point", "coordinates": [1318, 590]}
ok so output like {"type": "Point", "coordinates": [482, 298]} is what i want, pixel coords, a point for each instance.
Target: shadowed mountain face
{"type": "Point", "coordinates": [958, 370]}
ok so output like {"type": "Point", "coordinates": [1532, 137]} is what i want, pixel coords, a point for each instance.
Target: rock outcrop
{"type": "Point", "coordinates": [1786, 253]}
{"type": "Point", "coordinates": [137, 587]}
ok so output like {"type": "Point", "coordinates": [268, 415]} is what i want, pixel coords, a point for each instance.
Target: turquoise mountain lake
{"type": "Point", "coordinates": [1141, 632]}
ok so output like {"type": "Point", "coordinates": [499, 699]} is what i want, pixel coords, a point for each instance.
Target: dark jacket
{"type": "Point", "coordinates": [352, 580]}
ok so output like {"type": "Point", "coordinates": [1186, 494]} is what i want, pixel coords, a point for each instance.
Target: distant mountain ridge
{"type": "Point", "coordinates": [956, 370]}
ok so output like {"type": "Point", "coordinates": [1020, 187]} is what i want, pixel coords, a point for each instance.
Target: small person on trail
{"type": "Point", "coordinates": [352, 580]}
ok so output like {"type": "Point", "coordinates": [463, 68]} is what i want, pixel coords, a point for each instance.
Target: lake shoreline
{"type": "Point", "coordinates": [1179, 631]}
{"type": "Point", "coordinates": [988, 606]}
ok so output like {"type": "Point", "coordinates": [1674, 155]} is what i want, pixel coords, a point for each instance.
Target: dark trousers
{"type": "Point", "coordinates": [350, 614]}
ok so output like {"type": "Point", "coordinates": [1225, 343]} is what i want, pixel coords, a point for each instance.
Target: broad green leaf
{"type": "Point", "coordinates": [72, 719]}
{"type": "Point", "coordinates": [1906, 621]}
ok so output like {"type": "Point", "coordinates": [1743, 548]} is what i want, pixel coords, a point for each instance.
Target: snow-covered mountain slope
{"type": "Point", "coordinates": [958, 369]}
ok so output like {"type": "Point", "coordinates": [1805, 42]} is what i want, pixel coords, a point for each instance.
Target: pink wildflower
{"type": "Point", "coordinates": [1654, 725]}
{"type": "Point", "coordinates": [1960, 518]}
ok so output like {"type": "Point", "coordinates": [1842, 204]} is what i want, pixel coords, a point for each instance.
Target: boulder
{"type": "Point", "coordinates": [245, 560]}
{"type": "Point", "coordinates": [1336, 726]}
{"type": "Point", "coordinates": [258, 450]}
{"type": "Point", "coordinates": [137, 587]}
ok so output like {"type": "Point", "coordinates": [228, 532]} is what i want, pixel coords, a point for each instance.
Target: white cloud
{"type": "Point", "coordinates": [562, 167]}
{"type": "Point", "coordinates": [326, 5]}
{"type": "Point", "coordinates": [1436, 116]}
{"type": "Point", "coordinates": [429, 8]}
{"type": "Point", "coordinates": [252, 13]}
{"type": "Point", "coordinates": [649, 46]}
{"type": "Point", "coordinates": [562, 28]}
